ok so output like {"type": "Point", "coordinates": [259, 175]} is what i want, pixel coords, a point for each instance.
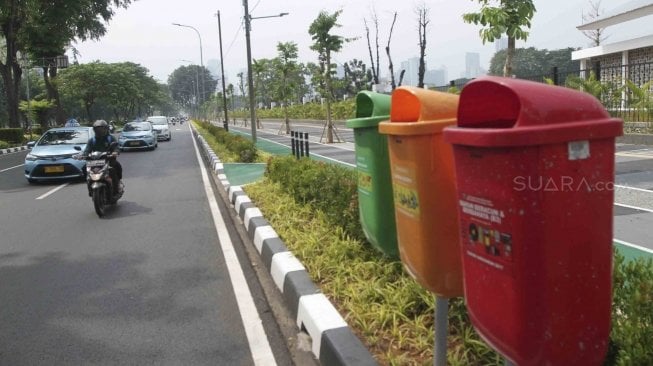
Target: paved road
{"type": "Point", "coordinates": [633, 208]}
{"type": "Point", "coordinates": [152, 283]}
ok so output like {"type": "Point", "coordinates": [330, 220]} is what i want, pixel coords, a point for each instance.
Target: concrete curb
{"type": "Point", "coordinates": [333, 342]}
{"type": "Point", "coordinates": [12, 150]}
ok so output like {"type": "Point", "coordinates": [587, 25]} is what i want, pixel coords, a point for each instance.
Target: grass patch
{"type": "Point", "coordinates": [385, 307]}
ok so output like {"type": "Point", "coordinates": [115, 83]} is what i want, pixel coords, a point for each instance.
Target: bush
{"type": "Point", "coordinates": [11, 135]}
{"type": "Point", "coordinates": [243, 148]}
{"type": "Point", "coordinates": [327, 187]}
{"type": "Point", "coordinates": [3, 144]}
{"type": "Point", "coordinates": [632, 312]}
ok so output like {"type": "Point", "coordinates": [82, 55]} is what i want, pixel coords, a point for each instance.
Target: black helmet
{"type": "Point", "coordinates": [101, 128]}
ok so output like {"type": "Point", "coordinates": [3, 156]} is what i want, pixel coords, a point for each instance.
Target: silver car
{"type": "Point", "coordinates": [160, 124]}
{"type": "Point", "coordinates": [137, 135]}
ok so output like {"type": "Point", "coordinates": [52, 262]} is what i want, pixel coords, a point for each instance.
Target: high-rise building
{"type": "Point", "coordinates": [411, 76]}
{"type": "Point", "coordinates": [436, 77]}
{"type": "Point", "coordinates": [500, 44]}
{"type": "Point", "coordinates": [472, 65]}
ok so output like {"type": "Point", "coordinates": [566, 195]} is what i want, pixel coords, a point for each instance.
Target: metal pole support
{"type": "Point", "coordinates": [441, 331]}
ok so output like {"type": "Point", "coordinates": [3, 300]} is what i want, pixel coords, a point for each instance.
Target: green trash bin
{"type": "Point", "coordinates": [375, 198]}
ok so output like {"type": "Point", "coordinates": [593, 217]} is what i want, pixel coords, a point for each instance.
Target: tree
{"type": "Point", "coordinates": [325, 43]}
{"type": "Point", "coordinates": [595, 35]}
{"type": "Point", "coordinates": [42, 29]}
{"type": "Point", "coordinates": [285, 67]}
{"type": "Point", "coordinates": [375, 65]}
{"type": "Point", "coordinates": [507, 18]}
{"type": "Point", "coordinates": [119, 90]}
{"type": "Point", "coordinates": [387, 51]}
{"type": "Point", "coordinates": [422, 14]}
{"type": "Point", "coordinates": [531, 62]}
{"type": "Point", "coordinates": [357, 76]}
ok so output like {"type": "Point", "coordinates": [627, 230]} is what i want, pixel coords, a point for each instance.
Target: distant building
{"type": "Point", "coordinates": [500, 44]}
{"type": "Point", "coordinates": [437, 77]}
{"type": "Point", "coordinates": [411, 76]}
{"type": "Point", "coordinates": [473, 65]}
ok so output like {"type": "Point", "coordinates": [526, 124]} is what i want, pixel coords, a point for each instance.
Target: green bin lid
{"type": "Point", "coordinates": [371, 108]}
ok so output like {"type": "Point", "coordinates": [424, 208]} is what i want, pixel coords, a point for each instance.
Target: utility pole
{"type": "Point", "coordinates": [250, 80]}
{"type": "Point", "coordinates": [224, 89]}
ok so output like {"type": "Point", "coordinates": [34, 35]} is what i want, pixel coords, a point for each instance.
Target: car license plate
{"type": "Point", "coordinates": [134, 143]}
{"type": "Point", "coordinates": [53, 169]}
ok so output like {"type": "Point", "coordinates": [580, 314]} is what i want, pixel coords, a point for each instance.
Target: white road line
{"type": "Point", "coordinates": [647, 250]}
{"type": "Point", "coordinates": [52, 191]}
{"type": "Point", "coordinates": [640, 156]}
{"type": "Point", "coordinates": [258, 341]}
{"type": "Point", "coordinates": [13, 167]}
{"type": "Point", "coordinates": [634, 188]}
{"type": "Point", "coordinates": [633, 207]}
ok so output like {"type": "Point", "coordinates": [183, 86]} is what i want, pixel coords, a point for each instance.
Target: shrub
{"type": "Point", "coordinates": [4, 144]}
{"type": "Point", "coordinates": [243, 148]}
{"type": "Point", "coordinates": [632, 312]}
{"type": "Point", "coordinates": [327, 187]}
{"type": "Point", "coordinates": [11, 135]}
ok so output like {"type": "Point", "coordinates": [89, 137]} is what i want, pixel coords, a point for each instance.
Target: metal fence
{"type": "Point", "coordinates": [626, 91]}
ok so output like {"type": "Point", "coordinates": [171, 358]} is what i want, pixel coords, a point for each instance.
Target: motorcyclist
{"type": "Point", "coordinates": [102, 141]}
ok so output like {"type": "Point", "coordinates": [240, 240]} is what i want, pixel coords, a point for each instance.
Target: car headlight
{"type": "Point", "coordinates": [121, 137]}
{"type": "Point", "coordinates": [31, 157]}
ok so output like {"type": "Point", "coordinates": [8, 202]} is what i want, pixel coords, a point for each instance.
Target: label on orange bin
{"type": "Point", "coordinates": [484, 235]}
{"type": "Point", "coordinates": [404, 187]}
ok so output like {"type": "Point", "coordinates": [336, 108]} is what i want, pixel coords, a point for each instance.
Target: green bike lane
{"type": "Point", "coordinates": [242, 174]}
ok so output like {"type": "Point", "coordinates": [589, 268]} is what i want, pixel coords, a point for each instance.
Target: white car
{"type": "Point", "coordinates": [160, 124]}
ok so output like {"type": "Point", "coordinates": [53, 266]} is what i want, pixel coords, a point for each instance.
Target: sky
{"type": "Point", "coordinates": [144, 34]}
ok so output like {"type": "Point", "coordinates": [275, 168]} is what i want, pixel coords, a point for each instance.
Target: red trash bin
{"type": "Point", "coordinates": [534, 173]}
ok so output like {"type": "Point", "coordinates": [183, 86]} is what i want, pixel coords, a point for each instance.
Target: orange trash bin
{"type": "Point", "coordinates": [423, 183]}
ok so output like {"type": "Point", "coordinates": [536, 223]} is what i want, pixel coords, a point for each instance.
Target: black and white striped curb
{"type": "Point", "coordinates": [332, 341]}
{"type": "Point", "coordinates": [12, 150]}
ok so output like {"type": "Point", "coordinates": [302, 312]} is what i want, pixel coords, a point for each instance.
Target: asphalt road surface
{"type": "Point", "coordinates": [152, 283]}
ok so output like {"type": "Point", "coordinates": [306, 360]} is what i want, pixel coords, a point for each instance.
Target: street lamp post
{"type": "Point", "coordinates": [250, 80]}
{"type": "Point", "coordinates": [201, 56]}
{"type": "Point", "coordinates": [224, 89]}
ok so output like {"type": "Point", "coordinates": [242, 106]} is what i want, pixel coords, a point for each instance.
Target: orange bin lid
{"type": "Point", "coordinates": [417, 111]}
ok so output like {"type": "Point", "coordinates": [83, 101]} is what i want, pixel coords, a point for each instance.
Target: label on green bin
{"type": "Point", "coordinates": [364, 182]}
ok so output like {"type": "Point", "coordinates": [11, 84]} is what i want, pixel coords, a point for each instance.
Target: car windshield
{"type": "Point", "coordinates": [64, 137]}
{"type": "Point", "coordinates": [158, 120]}
{"type": "Point", "coordinates": [137, 126]}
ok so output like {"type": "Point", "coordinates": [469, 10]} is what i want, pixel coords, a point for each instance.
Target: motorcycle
{"type": "Point", "coordinates": [99, 181]}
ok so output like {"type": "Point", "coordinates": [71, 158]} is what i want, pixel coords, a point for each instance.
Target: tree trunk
{"type": "Point", "coordinates": [387, 51]}
{"type": "Point", "coordinates": [11, 92]}
{"type": "Point", "coordinates": [49, 74]}
{"type": "Point", "coordinates": [328, 99]}
{"type": "Point", "coordinates": [510, 52]}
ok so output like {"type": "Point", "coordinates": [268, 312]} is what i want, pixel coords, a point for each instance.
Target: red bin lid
{"type": "Point", "coordinates": [497, 111]}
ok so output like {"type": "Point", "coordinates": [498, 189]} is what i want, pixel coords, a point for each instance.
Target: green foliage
{"type": "Point", "coordinates": [609, 93]}
{"type": "Point", "coordinates": [507, 18]}
{"type": "Point", "coordinates": [11, 135]}
{"type": "Point", "coordinates": [632, 313]}
{"type": "Point", "coordinates": [118, 91]}
{"type": "Point", "coordinates": [340, 111]}
{"type": "Point", "coordinates": [641, 98]}
{"type": "Point", "coordinates": [37, 109]}
{"type": "Point", "coordinates": [531, 61]}
{"type": "Point", "coordinates": [4, 144]}
{"type": "Point", "coordinates": [327, 187]}
{"type": "Point", "coordinates": [243, 149]}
